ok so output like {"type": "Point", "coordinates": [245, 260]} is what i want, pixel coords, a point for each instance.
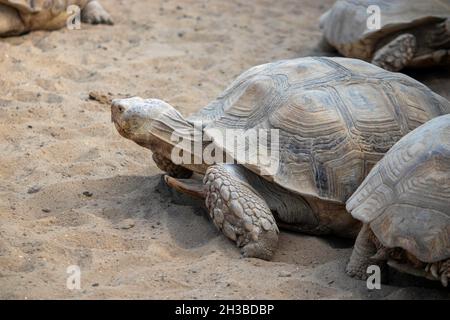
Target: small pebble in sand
{"type": "Point", "coordinates": [34, 189]}
{"type": "Point", "coordinates": [88, 194]}
{"type": "Point", "coordinates": [284, 274]}
{"type": "Point", "coordinates": [125, 224]}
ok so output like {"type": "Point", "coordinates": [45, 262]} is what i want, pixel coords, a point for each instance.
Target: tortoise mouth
{"type": "Point", "coordinates": [122, 131]}
{"type": "Point", "coordinates": [116, 118]}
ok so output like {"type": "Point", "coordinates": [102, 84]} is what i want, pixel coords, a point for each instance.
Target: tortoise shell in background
{"type": "Point", "coordinates": [406, 197]}
{"type": "Point", "coordinates": [345, 24]}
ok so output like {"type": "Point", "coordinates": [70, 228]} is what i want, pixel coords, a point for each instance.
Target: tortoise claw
{"type": "Point", "coordinates": [439, 271]}
{"type": "Point", "coordinates": [444, 280]}
{"type": "Point", "coordinates": [241, 214]}
{"type": "Point", "coordinates": [434, 270]}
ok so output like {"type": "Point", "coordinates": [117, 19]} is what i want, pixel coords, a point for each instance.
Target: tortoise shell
{"type": "Point", "coordinates": [44, 14]}
{"type": "Point", "coordinates": [345, 24]}
{"type": "Point", "coordinates": [336, 118]}
{"type": "Point", "coordinates": [406, 197]}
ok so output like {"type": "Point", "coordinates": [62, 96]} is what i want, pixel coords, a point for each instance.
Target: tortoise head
{"type": "Point", "coordinates": [134, 117]}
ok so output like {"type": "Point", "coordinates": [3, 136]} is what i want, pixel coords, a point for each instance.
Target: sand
{"type": "Point", "coordinates": [74, 192]}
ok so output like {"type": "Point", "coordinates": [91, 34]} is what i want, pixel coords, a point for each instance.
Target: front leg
{"type": "Point", "coordinates": [239, 212]}
{"type": "Point", "coordinates": [397, 54]}
{"type": "Point", "coordinates": [94, 13]}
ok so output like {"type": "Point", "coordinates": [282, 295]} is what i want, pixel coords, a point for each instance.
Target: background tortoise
{"type": "Point", "coordinates": [21, 16]}
{"type": "Point", "coordinates": [336, 117]}
{"type": "Point", "coordinates": [405, 205]}
{"type": "Point", "coordinates": [413, 33]}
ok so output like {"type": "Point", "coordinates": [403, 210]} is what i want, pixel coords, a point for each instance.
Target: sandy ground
{"type": "Point", "coordinates": [73, 192]}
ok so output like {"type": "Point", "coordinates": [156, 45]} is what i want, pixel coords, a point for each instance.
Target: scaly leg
{"type": "Point", "coordinates": [396, 55]}
{"type": "Point", "coordinates": [436, 58]}
{"type": "Point", "coordinates": [239, 212]}
{"type": "Point", "coordinates": [363, 255]}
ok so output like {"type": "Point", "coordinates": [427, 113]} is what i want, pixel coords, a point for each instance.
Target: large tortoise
{"type": "Point", "coordinates": [413, 33]}
{"type": "Point", "coordinates": [336, 118]}
{"type": "Point", "coordinates": [404, 204]}
{"type": "Point", "coordinates": [21, 16]}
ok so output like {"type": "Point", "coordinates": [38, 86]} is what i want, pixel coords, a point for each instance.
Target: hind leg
{"type": "Point", "coordinates": [363, 254]}
{"type": "Point", "coordinates": [94, 13]}
{"type": "Point", "coordinates": [239, 212]}
{"type": "Point", "coordinates": [10, 22]}
{"type": "Point", "coordinates": [439, 271]}
{"type": "Point", "coordinates": [397, 54]}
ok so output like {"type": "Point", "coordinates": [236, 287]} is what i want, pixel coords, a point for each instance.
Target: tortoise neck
{"type": "Point", "coordinates": [176, 139]}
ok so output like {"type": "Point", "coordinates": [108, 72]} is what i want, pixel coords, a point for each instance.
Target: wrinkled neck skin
{"type": "Point", "coordinates": [164, 133]}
